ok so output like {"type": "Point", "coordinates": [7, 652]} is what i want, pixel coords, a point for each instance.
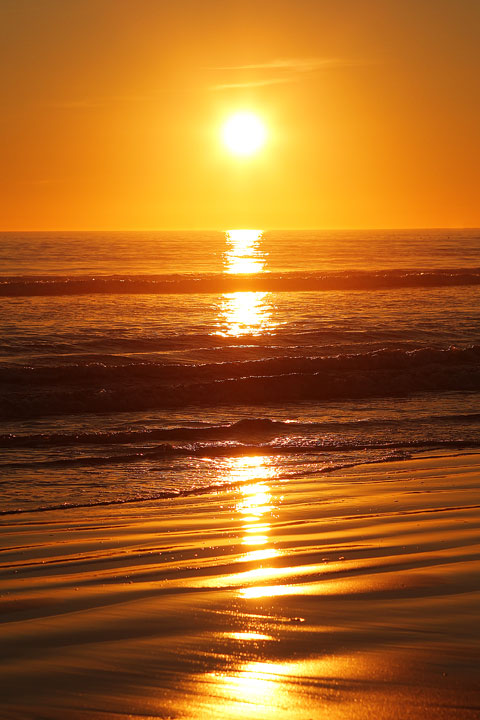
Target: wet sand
{"type": "Point", "coordinates": [354, 594]}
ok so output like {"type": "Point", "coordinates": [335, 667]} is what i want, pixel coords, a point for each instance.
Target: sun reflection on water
{"type": "Point", "coordinates": [245, 312]}
{"type": "Point", "coordinates": [251, 467]}
{"type": "Point", "coordinates": [244, 253]}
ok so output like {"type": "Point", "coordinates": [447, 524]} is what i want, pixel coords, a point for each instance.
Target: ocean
{"type": "Point", "coordinates": [142, 365]}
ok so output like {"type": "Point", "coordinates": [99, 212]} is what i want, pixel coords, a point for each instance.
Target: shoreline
{"type": "Point", "coordinates": [352, 593]}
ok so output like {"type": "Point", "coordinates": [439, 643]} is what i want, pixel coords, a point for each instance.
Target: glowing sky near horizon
{"type": "Point", "coordinates": [111, 113]}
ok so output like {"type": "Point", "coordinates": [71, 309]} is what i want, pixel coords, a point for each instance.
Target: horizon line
{"type": "Point", "coordinates": [223, 229]}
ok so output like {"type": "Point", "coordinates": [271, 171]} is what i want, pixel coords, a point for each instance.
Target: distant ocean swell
{"type": "Point", "coordinates": [103, 353]}
{"type": "Point", "coordinates": [114, 369]}
{"type": "Point", "coordinates": [37, 391]}
{"type": "Point", "coordinates": [225, 283]}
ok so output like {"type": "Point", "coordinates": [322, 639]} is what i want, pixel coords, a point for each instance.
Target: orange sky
{"type": "Point", "coordinates": [112, 109]}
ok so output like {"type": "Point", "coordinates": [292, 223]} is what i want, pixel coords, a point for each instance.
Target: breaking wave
{"type": "Point", "coordinates": [246, 428]}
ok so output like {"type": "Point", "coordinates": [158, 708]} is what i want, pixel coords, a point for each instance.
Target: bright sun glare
{"type": "Point", "coordinates": [244, 133]}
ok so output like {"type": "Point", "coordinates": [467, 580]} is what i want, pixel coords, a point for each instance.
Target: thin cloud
{"type": "Point", "coordinates": [290, 64]}
{"type": "Point", "coordinates": [253, 83]}
{"type": "Point", "coordinates": [287, 71]}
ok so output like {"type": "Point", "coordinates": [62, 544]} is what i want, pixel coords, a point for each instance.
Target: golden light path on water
{"type": "Point", "coordinates": [261, 686]}
{"type": "Point", "coordinates": [244, 253]}
{"type": "Point", "coordinates": [245, 312]}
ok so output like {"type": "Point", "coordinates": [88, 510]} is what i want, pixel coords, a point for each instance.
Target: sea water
{"type": "Point", "coordinates": [136, 365]}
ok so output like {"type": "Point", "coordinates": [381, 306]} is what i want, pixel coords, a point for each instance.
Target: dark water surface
{"type": "Point", "coordinates": [142, 365]}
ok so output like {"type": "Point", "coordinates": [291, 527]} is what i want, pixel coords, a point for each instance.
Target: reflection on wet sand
{"type": "Point", "coordinates": [254, 509]}
{"type": "Point", "coordinates": [266, 675]}
{"type": "Point", "coordinates": [349, 595]}
{"type": "Point", "coordinates": [253, 685]}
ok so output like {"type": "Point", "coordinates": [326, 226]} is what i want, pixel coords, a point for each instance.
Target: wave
{"type": "Point", "coordinates": [114, 369]}
{"type": "Point", "coordinates": [246, 428]}
{"type": "Point", "coordinates": [304, 447]}
{"type": "Point", "coordinates": [276, 380]}
{"type": "Point", "coordinates": [16, 286]}
{"type": "Point", "coordinates": [209, 487]}
{"type": "Point", "coordinates": [105, 351]}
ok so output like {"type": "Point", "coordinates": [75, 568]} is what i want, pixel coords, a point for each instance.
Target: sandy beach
{"type": "Point", "coordinates": [354, 594]}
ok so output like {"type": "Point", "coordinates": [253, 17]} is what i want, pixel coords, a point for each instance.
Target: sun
{"type": "Point", "coordinates": [244, 133]}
